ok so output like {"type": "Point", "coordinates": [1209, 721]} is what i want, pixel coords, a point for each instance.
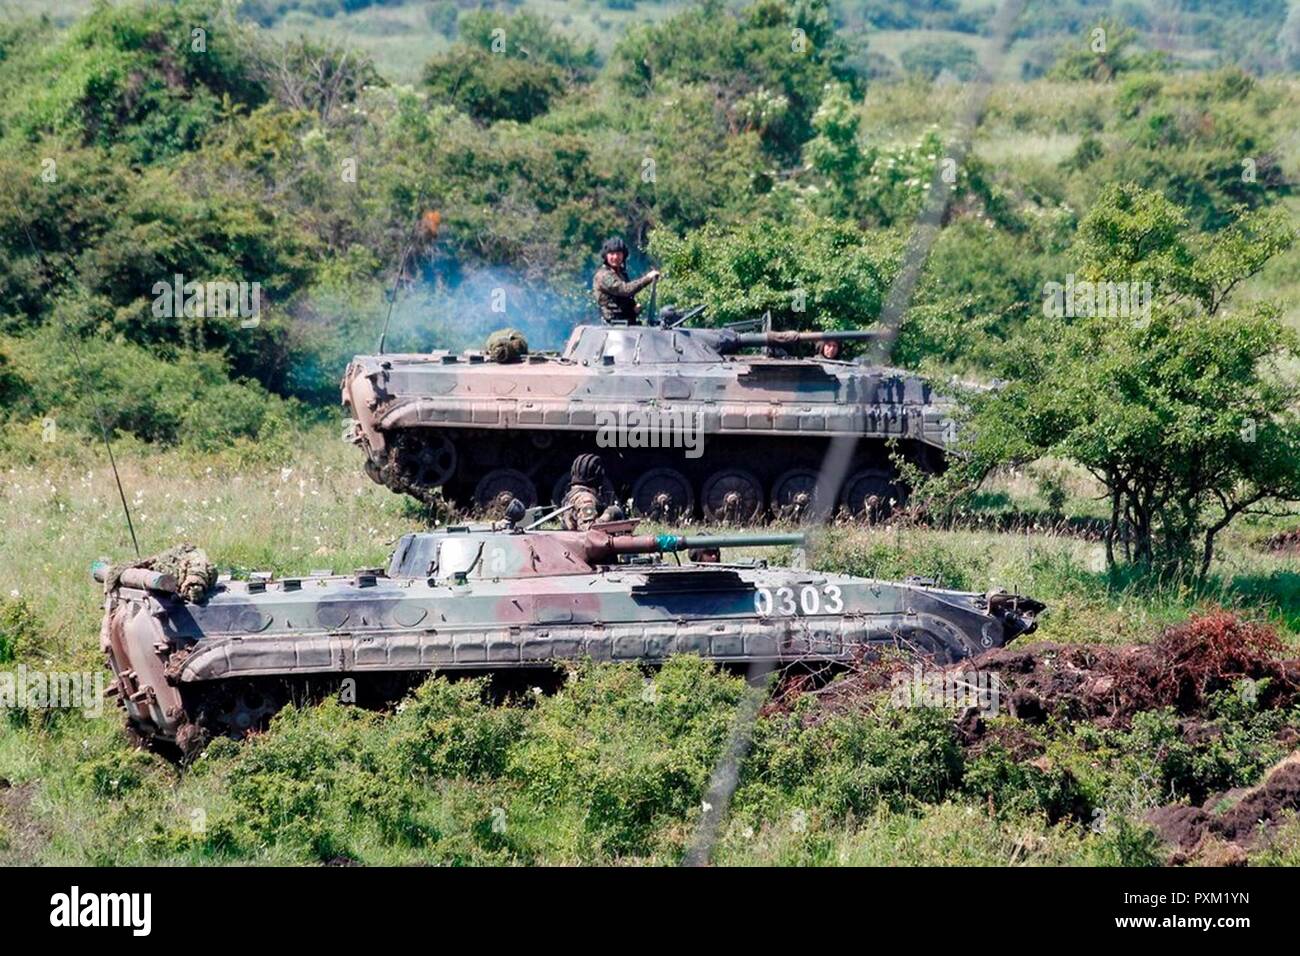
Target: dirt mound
{"type": "Point", "coordinates": [1108, 685]}
{"type": "Point", "coordinates": [1229, 825]}
{"type": "Point", "coordinates": [1100, 683]}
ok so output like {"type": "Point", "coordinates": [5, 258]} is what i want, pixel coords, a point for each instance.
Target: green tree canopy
{"type": "Point", "coordinates": [1189, 415]}
{"type": "Point", "coordinates": [808, 274]}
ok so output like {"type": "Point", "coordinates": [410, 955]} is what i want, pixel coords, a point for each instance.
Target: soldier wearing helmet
{"type": "Point", "coordinates": [586, 498]}
{"type": "Point", "coordinates": [615, 293]}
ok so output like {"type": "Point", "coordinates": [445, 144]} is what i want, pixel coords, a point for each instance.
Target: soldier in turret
{"type": "Point", "coordinates": [615, 293]}
{"type": "Point", "coordinates": [586, 498]}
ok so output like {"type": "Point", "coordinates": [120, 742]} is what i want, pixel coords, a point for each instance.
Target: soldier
{"type": "Point", "coordinates": [586, 494]}
{"type": "Point", "coordinates": [615, 293]}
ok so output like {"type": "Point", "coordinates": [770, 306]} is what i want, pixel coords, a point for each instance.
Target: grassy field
{"type": "Point", "coordinates": [580, 776]}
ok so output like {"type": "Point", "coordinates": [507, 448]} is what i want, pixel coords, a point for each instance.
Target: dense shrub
{"type": "Point", "coordinates": [450, 729]}
{"type": "Point", "coordinates": [811, 270]}
{"type": "Point", "coordinates": [137, 77]}
{"type": "Point", "coordinates": [849, 764]}
{"type": "Point", "coordinates": [20, 629]}
{"type": "Point", "coordinates": [629, 754]}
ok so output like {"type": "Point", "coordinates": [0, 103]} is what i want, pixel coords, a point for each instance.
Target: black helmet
{"type": "Point", "coordinates": [613, 245]}
{"type": "Point", "coordinates": [515, 512]}
{"type": "Point", "coordinates": [587, 470]}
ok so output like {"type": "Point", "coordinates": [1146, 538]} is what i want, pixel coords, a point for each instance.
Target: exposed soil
{"type": "Point", "coordinates": [1099, 683]}
{"type": "Point", "coordinates": [1107, 685]}
{"type": "Point", "coordinates": [1224, 829]}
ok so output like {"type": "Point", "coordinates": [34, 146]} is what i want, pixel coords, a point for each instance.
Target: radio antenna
{"type": "Point", "coordinates": [429, 221]}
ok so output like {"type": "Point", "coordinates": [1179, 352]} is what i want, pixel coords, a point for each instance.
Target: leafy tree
{"type": "Point", "coordinates": [1106, 52]}
{"type": "Point", "coordinates": [816, 272]}
{"type": "Point", "coordinates": [507, 67]}
{"type": "Point", "coordinates": [1188, 418]}
{"type": "Point", "coordinates": [490, 87]}
{"type": "Point", "coordinates": [527, 36]}
{"type": "Point", "coordinates": [884, 185]}
{"type": "Point", "coordinates": [150, 79]}
{"type": "Point", "coordinates": [779, 53]}
{"type": "Point", "coordinates": [980, 286]}
{"type": "Point", "coordinates": [1207, 141]}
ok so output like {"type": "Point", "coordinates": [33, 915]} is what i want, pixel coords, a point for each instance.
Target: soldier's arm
{"type": "Point", "coordinates": [613, 285]}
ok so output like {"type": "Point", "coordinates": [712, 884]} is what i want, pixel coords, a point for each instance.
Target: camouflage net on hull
{"type": "Point", "coordinates": [186, 564]}
{"type": "Point", "coordinates": [506, 346]}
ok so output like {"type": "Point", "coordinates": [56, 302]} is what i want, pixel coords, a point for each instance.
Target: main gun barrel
{"type": "Point", "coordinates": [743, 340]}
{"type": "Point", "coordinates": [600, 544]}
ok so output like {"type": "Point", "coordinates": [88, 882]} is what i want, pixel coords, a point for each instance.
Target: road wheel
{"type": "Point", "coordinates": [663, 494]}
{"type": "Point", "coordinates": [732, 496]}
{"type": "Point", "coordinates": [496, 488]}
{"type": "Point", "coordinates": [871, 494]}
{"type": "Point", "coordinates": [429, 461]}
{"type": "Point", "coordinates": [794, 495]}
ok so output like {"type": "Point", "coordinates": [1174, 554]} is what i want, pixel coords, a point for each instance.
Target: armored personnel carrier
{"type": "Point", "coordinates": [688, 422]}
{"type": "Point", "coordinates": [191, 660]}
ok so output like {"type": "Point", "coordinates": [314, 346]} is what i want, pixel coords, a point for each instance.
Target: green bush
{"type": "Point", "coordinates": [115, 774]}
{"type": "Point", "coordinates": [133, 76]}
{"type": "Point", "coordinates": [848, 764]}
{"type": "Point", "coordinates": [20, 629]}
{"type": "Point", "coordinates": [507, 67]}
{"type": "Point", "coordinates": [450, 729]}
{"type": "Point", "coordinates": [293, 786]}
{"type": "Point", "coordinates": [188, 400]}
{"type": "Point", "coordinates": [1233, 750]}
{"type": "Point", "coordinates": [744, 54]}
{"type": "Point", "coordinates": [814, 272]}
{"type": "Point", "coordinates": [1015, 786]}
{"type": "Point", "coordinates": [491, 87]}
{"type": "Point", "coordinates": [628, 757]}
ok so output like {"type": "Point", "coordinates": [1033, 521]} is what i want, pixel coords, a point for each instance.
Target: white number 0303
{"type": "Point", "coordinates": [808, 600]}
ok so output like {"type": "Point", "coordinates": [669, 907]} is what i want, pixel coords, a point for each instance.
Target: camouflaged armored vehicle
{"type": "Point", "coordinates": [686, 424]}
{"type": "Point", "coordinates": [192, 659]}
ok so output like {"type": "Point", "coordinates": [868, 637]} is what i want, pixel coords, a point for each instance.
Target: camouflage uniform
{"type": "Point", "coordinates": [586, 495]}
{"type": "Point", "coordinates": [585, 511]}
{"type": "Point", "coordinates": [616, 294]}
